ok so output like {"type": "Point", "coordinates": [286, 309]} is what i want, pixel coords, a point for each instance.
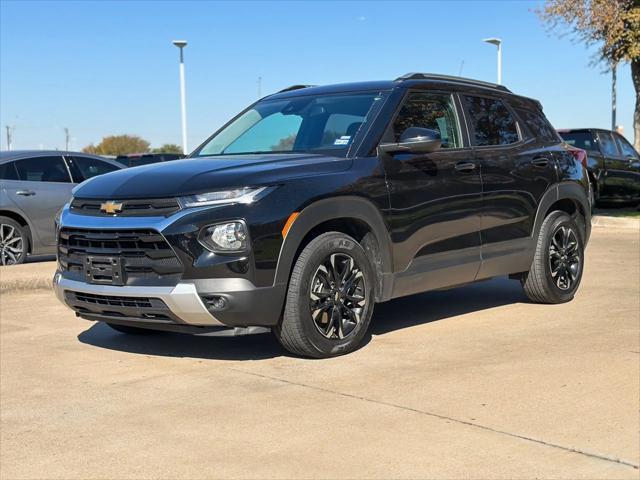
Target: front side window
{"type": "Point", "coordinates": [625, 147]}
{"type": "Point", "coordinates": [434, 111]}
{"type": "Point", "coordinates": [43, 169]}
{"type": "Point", "coordinates": [491, 121]}
{"type": "Point", "coordinates": [607, 145]}
{"type": "Point", "coordinates": [84, 168]}
{"type": "Point", "coordinates": [307, 124]}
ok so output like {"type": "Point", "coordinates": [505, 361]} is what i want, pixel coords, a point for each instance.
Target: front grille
{"type": "Point", "coordinates": [151, 207]}
{"type": "Point", "coordinates": [140, 255]}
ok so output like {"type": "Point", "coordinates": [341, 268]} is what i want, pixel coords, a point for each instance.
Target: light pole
{"type": "Point", "coordinates": [183, 104]}
{"type": "Point", "coordinates": [498, 43]}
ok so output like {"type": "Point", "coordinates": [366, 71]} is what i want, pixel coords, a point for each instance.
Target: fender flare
{"type": "Point", "coordinates": [331, 209]}
{"type": "Point", "coordinates": [561, 191]}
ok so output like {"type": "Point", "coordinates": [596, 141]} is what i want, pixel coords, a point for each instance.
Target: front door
{"type": "Point", "coordinates": [435, 199]}
{"type": "Point", "coordinates": [44, 187]}
{"type": "Point", "coordinates": [618, 181]}
{"type": "Point", "coordinates": [631, 166]}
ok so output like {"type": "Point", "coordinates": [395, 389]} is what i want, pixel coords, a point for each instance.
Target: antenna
{"type": "Point", "coordinates": [461, 67]}
{"type": "Point", "coordinates": [66, 139]}
{"type": "Point", "coordinates": [9, 135]}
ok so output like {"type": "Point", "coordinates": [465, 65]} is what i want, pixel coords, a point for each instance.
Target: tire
{"type": "Point", "coordinates": [14, 242]}
{"type": "Point", "coordinates": [558, 263]}
{"type": "Point", "coordinates": [340, 324]}
{"type": "Point", "coordinates": [130, 330]}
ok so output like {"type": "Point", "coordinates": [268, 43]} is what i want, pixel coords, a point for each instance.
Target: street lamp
{"type": "Point", "coordinates": [498, 43]}
{"type": "Point", "coordinates": [183, 105]}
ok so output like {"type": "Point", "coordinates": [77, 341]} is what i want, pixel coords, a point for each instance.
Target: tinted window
{"type": "Point", "coordinates": [310, 123]}
{"type": "Point", "coordinates": [607, 145]}
{"type": "Point", "coordinates": [537, 124]}
{"type": "Point", "coordinates": [84, 168]}
{"type": "Point", "coordinates": [8, 171]}
{"type": "Point", "coordinates": [43, 169]}
{"type": "Point", "coordinates": [625, 147]}
{"type": "Point", "coordinates": [491, 121]}
{"type": "Point", "coordinates": [582, 140]}
{"type": "Point", "coordinates": [429, 110]}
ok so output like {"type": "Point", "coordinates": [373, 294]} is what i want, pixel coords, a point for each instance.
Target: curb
{"type": "Point", "coordinates": [615, 222]}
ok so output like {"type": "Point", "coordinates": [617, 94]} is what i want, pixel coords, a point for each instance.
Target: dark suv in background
{"type": "Point", "coordinates": [315, 203]}
{"type": "Point", "coordinates": [613, 164]}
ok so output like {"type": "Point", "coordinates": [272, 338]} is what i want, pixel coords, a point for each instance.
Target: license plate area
{"type": "Point", "coordinates": [104, 270]}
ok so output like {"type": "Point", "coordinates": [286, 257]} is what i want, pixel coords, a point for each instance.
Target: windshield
{"type": "Point", "coordinates": [310, 124]}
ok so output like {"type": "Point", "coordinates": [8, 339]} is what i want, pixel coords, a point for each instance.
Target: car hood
{"type": "Point", "coordinates": [205, 174]}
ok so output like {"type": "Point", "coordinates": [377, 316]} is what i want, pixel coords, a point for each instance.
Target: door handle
{"type": "Point", "coordinates": [25, 193]}
{"type": "Point", "coordinates": [540, 162]}
{"type": "Point", "coordinates": [465, 167]}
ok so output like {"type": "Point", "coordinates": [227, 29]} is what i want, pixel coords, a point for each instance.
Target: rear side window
{"type": "Point", "coordinates": [607, 144]}
{"type": "Point", "coordinates": [537, 124]}
{"type": "Point", "coordinates": [583, 140]}
{"type": "Point", "coordinates": [492, 122]}
{"type": "Point", "coordinates": [429, 110]}
{"type": "Point", "coordinates": [84, 168]}
{"type": "Point", "coordinates": [8, 171]}
{"type": "Point", "coordinates": [625, 147]}
{"type": "Point", "coordinates": [43, 169]}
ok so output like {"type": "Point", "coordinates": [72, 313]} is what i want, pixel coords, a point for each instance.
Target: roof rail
{"type": "Point", "coordinates": [450, 78]}
{"type": "Point", "coordinates": [295, 87]}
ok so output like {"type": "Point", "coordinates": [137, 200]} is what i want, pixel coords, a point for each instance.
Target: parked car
{"type": "Point", "coordinates": [315, 203]}
{"type": "Point", "coordinates": [137, 159]}
{"type": "Point", "coordinates": [34, 185]}
{"type": "Point", "coordinates": [613, 164]}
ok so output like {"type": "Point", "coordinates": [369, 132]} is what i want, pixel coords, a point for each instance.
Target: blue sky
{"type": "Point", "coordinates": [108, 67]}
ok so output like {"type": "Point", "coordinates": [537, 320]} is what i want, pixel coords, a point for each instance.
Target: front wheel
{"type": "Point", "coordinates": [329, 300]}
{"type": "Point", "coordinates": [558, 262]}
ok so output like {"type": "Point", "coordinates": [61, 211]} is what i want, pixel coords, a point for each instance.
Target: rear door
{"type": "Point", "coordinates": [632, 159]}
{"type": "Point", "coordinates": [44, 187]}
{"type": "Point", "coordinates": [435, 198]}
{"type": "Point", "coordinates": [516, 169]}
{"type": "Point", "coordinates": [617, 183]}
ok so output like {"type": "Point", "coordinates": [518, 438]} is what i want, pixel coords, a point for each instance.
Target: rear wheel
{"type": "Point", "coordinates": [329, 300]}
{"type": "Point", "coordinates": [13, 242]}
{"type": "Point", "coordinates": [130, 330]}
{"type": "Point", "coordinates": [558, 263]}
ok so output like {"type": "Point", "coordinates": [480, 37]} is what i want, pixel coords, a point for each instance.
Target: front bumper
{"type": "Point", "coordinates": [182, 300]}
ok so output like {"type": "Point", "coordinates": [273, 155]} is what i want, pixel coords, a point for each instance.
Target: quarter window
{"type": "Point", "coordinates": [625, 147]}
{"type": "Point", "coordinates": [43, 169]}
{"type": "Point", "coordinates": [492, 122]}
{"type": "Point", "coordinates": [538, 125]}
{"type": "Point", "coordinates": [432, 111]}
{"type": "Point", "coordinates": [607, 145]}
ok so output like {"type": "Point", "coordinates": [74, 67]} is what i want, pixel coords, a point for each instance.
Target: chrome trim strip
{"type": "Point", "coordinates": [183, 299]}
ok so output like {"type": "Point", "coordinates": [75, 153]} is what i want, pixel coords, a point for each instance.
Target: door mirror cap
{"type": "Point", "coordinates": [414, 140]}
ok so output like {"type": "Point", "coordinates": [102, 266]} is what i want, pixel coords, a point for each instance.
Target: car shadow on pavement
{"type": "Point", "coordinates": [394, 315]}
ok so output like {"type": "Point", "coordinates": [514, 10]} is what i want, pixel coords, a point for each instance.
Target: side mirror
{"type": "Point", "coordinates": [414, 140]}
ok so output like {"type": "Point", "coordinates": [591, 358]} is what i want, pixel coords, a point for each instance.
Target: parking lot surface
{"type": "Point", "coordinates": [472, 382]}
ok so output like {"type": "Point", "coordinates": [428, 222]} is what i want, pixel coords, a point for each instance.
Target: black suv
{"type": "Point", "coordinates": [316, 203]}
{"type": "Point", "coordinates": [613, 164]}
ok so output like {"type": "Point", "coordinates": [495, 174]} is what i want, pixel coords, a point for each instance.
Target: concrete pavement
{"type": "Point", "coordinates": [467, 383]}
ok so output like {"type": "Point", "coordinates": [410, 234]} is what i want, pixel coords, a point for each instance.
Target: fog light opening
{"type": "Point", "coordinates": [215, 302]}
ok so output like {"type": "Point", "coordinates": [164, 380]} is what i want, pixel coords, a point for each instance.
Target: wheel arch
{"type": "Point", "coordinates": [23, 222]}
{"type": "Point", "coordinates": [569, 197]}
{"type": "Point", "coordinates": [354, 216]}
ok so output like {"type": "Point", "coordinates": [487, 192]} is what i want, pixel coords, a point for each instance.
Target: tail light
{"type": "Point", "coordinates": [580, 155]}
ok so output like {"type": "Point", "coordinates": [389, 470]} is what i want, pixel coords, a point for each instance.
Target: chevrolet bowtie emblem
{"type": "Point", "coordinates": [111, 207]}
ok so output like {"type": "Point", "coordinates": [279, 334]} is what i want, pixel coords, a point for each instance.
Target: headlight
{"type": "Point", "coordinates": [238, 195]}
{"type": "Point", "coordinates": [225, 237]}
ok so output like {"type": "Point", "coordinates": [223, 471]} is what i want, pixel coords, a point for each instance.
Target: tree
{"type": "Point", "coordinates": [118, 145]}
{"type": "Point", "coordinates": [613, 25]}
{"type": "Point", "coordinates": [167, 148]}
